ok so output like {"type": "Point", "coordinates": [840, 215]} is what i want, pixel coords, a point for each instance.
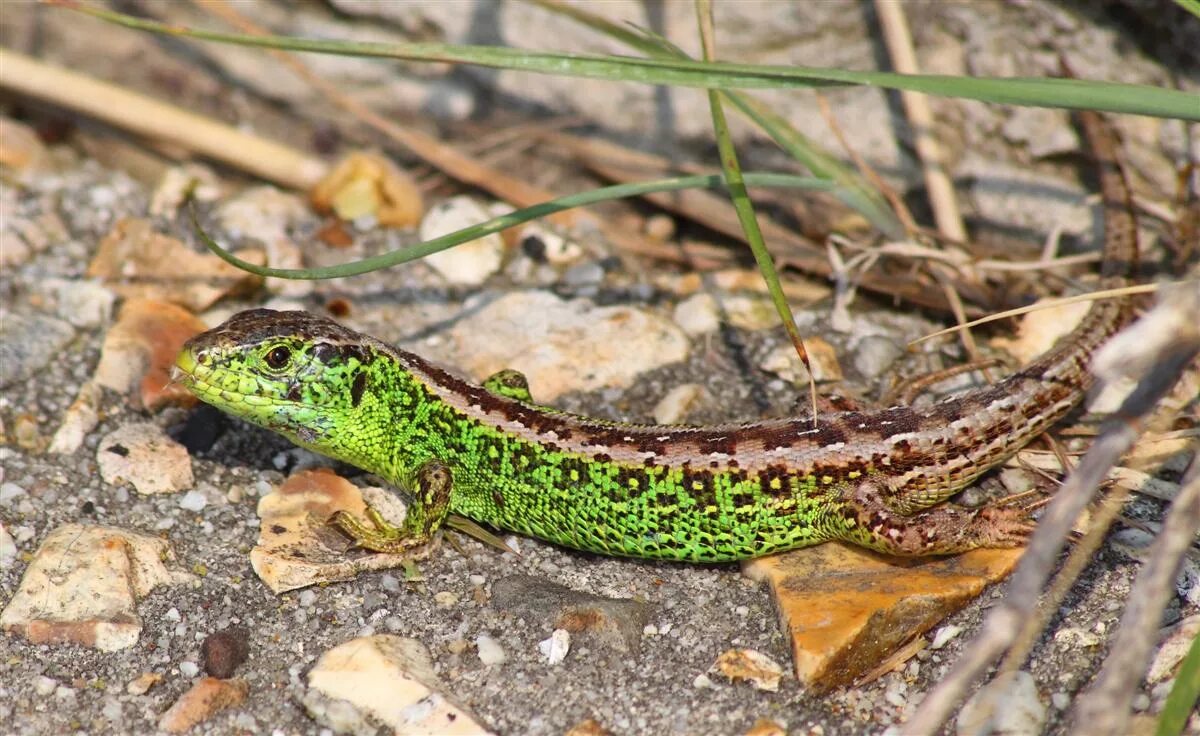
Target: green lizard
{"type": "Point", "coordinates": [705, 494]}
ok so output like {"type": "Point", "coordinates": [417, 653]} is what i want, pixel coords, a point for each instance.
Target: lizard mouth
{"type": "Point", "coordinates": [184, 370]}
{"type": "Point", "coordinates": [193, 375]}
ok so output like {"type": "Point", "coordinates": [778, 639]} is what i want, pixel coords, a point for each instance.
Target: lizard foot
{"type": "Point", "coordinates": [940, 530]}
{"type": "Point", "coordinates": [425, 516]}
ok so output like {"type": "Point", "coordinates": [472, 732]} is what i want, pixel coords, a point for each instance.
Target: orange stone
{"type": "Point", "coordinates": [845, 609]}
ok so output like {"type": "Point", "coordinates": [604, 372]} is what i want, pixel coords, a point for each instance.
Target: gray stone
{"type": "Point", "coordinates": [28, 342]}
{"type": "Point", "coordinates": [616, 623]}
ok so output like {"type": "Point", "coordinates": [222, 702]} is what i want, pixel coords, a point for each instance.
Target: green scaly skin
{"type": "Point", "coordinates": [705, 494]}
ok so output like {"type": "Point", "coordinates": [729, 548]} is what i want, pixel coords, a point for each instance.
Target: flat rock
{"type": "Point", "coordinates": [28, 342]}
{"type": "Point", "coordinates": [143, 455]}
{"type": "Point", "coordinates": [613, 622]}
{"type": "Point", "coordinates": [562, 345]}
{"type": "Point", "coordinates": [383, 680]}
{"type": "Point", "coordinates": [83, 585]}
{"type": "Point", "coordinates": [296, 548]}
{"type": "Point", "coordinates": [845, 609]}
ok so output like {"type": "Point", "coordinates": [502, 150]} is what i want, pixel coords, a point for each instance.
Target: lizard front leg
{"type": "Point", "coordinates": [426, 513]}
{"type": "Point", "coordinates": [868, 521]}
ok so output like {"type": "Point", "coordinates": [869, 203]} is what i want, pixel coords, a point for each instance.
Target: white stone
{"type": "Point", "coordinates": [1005, 708]}
{"type": "Point", "coordinates": [561, 345]}
{"type": "Point", "coordinates": [79, 420]}
{"type": "Point", "coordinates": [83, 586]}
{"type": "Point", "coordinates": [467, 263]}
{"type": "Point", "coordinates": [9, 491]}
{"type": "Point", "coordinates": [490, 651]}
{"type": "Point", "coordinates": [82, 302]}
{"type": "Point", "coordinates": [943, 636]}
{"type": "Point", "coordinates": [193, 501]}
{"type": "Point", "coordinates": [555, 649]}
{"type": "Point", "coordinates": [673, 407]}
{"type": "Point", "coordinates": [8, 548]}
{"type": "Point", "coordinates": [383, 678]}
{"type": "Point", "coordinates": [142, 454]}
{"type": "Point", "coordinates": [697, 314]}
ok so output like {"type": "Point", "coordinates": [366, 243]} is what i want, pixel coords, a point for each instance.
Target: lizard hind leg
{"type": "Point", "coordinates": [509, 383]}
{"type": "Point", "coordinates": [425, 515]}
{"type": "Point", "coordinates": [941, 530]}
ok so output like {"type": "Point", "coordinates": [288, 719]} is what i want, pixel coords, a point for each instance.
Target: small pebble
{"type": "Point", "coordinates": [660, 227]}
{"type": "Point", "coordinates": [193, 501]}
{"type": "Point", "coordinates": [490, 651]}
{"type": "Point", "coordinates": [673, 407]}
{"type": "Point", "coordinates": [224, 651]}
{"type": "Point", "coordinates": [556, 647]}
{"type": "Point", "coordinates": [307, 598]}
{"type": "Point", "coordinates": [874, 355]}
{"type": "Point", "coordinates": [9, 491]}
{"type": "Point", "coordinates": [189, 669]}
{"type": "Point", "coordinates": [8, 549]}
{"type": "Point", "coordinates": [111, 709]}
{"type": "Point", "coordinates": [445, 598]}
{"type": "Point", "coordinates": [697, 314]}
{"type": "Point", "coordinates": [944, 635]}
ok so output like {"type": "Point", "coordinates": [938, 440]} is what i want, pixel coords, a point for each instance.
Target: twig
{"type": "Point", "coordinates": [1092, 296]}
{"type": "Point", "coordinates": [904, 59]}
{"type": "Point", "coordinates": [159, 121]}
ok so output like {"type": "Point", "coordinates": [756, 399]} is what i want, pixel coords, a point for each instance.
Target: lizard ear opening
{"type": "Point", "coordinates": [357, 388]}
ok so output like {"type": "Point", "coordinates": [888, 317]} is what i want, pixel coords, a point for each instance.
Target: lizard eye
{"type": "Point", "coordinates": [279, 357]}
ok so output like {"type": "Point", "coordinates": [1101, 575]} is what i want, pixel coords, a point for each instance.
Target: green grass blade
{"type": "Point", "coordinates": [496, 224]}
{"type": "Point", "coordinates": [1062, 93]}
{"type": "Point", "coordinates": [1192, 6]}
{"type": "Point", "coordinates": [1184, 695]}
{"type": "Point", "coordinates": [736, 184]}
{"type": "Point", "coordinates": [852, 189]}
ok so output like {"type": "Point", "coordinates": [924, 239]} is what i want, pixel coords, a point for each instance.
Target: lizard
{"type": "Point", "coordinates": [876, 479]}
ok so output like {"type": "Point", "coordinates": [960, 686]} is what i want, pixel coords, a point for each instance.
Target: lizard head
{"type": "Point", "coordinates": [295, 373]}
